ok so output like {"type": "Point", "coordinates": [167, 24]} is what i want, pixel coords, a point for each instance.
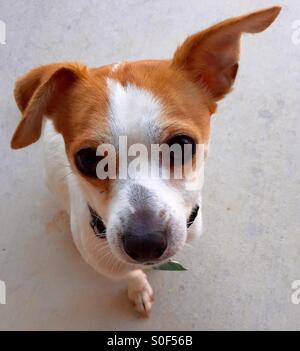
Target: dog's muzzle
{"type": "Point", "coordinates": [146, 240]}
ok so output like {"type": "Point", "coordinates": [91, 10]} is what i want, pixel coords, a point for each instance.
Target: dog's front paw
{"type": "Point", "coordinates": [140, 292]}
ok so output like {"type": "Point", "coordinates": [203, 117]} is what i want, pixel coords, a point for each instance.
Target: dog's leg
{"type": "Point", "coordinates": [140, 292]}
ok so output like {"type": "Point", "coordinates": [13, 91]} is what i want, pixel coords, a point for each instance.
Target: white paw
{"type": "Point", "coordinates": [140, 292]}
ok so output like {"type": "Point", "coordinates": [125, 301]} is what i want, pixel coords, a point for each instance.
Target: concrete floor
{"type": "Point", "coordinates": [241, 270]}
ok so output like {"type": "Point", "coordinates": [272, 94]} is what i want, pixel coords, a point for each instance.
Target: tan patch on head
{"type": "Point", "coordinates": [186, 106]}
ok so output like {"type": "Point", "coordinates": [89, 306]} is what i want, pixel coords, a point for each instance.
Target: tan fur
{"type": "Point", "coordinates": [211, 57]}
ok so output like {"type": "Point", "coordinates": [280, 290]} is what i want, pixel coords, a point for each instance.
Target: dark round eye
{"type": "Point", "coordinates": [187, 145]}
{"type": "Point", "coordinates": [86, 161]}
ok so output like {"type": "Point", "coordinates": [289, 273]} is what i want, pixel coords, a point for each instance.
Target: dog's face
{"type": "Point", "coordinates": [148, 102]}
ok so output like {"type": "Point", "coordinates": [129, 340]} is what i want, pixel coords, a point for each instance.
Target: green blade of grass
{"type": "Point", "coordinates": [170, 266]}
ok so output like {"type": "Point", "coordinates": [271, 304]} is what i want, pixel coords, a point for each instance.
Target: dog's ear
{"type": "Point", "coordinates": [211, 57]}
{"type": "Point", "coordinates": [37, 94]}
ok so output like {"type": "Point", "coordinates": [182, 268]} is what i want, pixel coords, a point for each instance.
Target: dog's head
{"type": "Point", "coordinates": [148, 102]}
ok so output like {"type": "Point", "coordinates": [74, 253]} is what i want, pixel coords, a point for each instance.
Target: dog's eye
{"type": "Point", "coordinates": [187, 145]}
{"type": "Point", "coordinates": [86, 161]}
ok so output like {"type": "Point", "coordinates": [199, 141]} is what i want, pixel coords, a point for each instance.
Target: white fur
{"type": "Point", "coordinates": [116, 66]}
{"type": "Point", "coordinates": [133, 112]}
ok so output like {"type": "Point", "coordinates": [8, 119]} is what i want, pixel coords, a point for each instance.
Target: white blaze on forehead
{"type": "Point", "coordinates": [133, 112]}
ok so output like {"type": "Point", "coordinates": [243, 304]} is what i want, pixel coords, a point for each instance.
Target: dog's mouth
{"type": "Point", "coordinates": [99, 229]}
{"type": "Point", "coordinates": [97, 224]}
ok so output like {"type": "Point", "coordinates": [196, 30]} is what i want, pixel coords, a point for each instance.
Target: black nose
{"type": "Point", "coordinates": [145, 247]}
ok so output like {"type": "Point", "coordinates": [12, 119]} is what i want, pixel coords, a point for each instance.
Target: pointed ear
{"type": "Point", "coordinates": [211, 57]}
{"type": "Point", "coordinates": [36, 94]}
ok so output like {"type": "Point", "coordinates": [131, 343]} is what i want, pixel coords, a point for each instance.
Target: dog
{"type": "Point", "coordinates": [122, 227]}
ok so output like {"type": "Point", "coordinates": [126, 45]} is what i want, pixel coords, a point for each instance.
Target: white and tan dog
{"type": "Point", "coordinates": [122, 226]}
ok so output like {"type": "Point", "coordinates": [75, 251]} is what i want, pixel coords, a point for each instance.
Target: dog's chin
{"type": "Point", "coordinates": [142, 265]}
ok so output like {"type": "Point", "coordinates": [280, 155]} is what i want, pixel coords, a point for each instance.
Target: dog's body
{"type": "Point", "coordinates": [143, 220]}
